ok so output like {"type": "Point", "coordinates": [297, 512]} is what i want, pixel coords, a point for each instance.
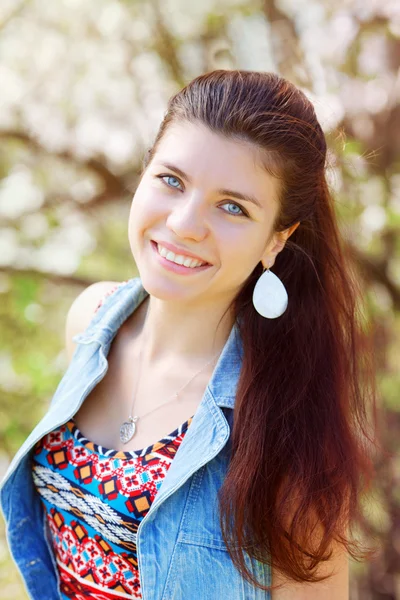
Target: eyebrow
{"type": "Point", "coordinates": [222, 191]}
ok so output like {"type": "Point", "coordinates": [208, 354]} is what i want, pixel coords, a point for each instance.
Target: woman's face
{"type": "Point", "coordinates": [189, 197]}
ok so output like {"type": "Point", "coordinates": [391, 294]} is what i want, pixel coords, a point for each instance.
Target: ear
{"type": "Point", "coordinates": [277, 244]}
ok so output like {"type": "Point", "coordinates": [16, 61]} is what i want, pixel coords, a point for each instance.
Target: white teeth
{"type": "Point", "coordinates": [178, 258]}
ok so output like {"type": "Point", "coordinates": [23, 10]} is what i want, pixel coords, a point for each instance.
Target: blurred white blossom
{"type": "Point", "coordinates": [373, 218]}
{"type": "Point", "coordinates": [18, 194]}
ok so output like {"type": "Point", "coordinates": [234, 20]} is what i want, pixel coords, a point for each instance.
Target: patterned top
{"type": "Point", "coordinates": [94, 499]}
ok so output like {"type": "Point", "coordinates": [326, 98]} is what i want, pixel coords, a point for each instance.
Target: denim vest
{"type": "Point", "coordinates": [180, 549]}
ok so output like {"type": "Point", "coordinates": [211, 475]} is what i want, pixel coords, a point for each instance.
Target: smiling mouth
{"type": "Point", "coordinates": [186, 257]}
{"type": "Point", "coordinates": [176, 266]}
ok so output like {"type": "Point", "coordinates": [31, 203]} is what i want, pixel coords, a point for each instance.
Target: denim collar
{"type": "Point", "coordinates": [127, 298]}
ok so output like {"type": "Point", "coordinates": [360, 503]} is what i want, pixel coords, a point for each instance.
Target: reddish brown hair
{"type": "Point", "coordinates": [307, 392]}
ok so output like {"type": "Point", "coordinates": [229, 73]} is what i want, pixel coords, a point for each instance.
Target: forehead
{"type": "Point", "coordinates": [208, 156]}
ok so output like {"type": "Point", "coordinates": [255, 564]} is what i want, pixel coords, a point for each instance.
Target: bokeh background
{"type": "Point", "coordinates": [83, 88]}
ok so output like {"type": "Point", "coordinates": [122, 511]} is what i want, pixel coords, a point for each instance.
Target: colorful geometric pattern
{"type": "Point", "coordinates": [94, 499]}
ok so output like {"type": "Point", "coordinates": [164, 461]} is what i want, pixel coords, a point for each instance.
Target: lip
{"type": "Point", "coordinates": [180, 251]}
{"type": "Point", "coordinates": [173, 267]}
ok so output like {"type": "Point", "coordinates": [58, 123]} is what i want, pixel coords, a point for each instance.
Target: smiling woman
{"type": "Point", "coordinates": [254, 492]}
{"type": "Point", "coordinates": [254, 138]}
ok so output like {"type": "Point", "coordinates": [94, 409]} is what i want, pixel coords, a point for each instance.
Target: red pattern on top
{"type": "Point", "coordinates": [94, 500]}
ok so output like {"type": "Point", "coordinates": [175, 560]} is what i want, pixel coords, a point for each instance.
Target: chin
{"type": "Point", "coordinates": [164, 288]}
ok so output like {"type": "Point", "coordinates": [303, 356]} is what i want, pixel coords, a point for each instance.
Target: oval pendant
{"type": "Point", "coordinates": [127, 431]}
{"type": "Point", "coordinates": [270, 297]}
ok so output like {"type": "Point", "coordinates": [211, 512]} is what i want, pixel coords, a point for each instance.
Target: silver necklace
{"type": "Point", "coordinates": [128, 428]}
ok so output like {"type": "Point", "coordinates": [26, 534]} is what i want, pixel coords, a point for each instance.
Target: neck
{"type": "Point", "coordinates": [170, 334]}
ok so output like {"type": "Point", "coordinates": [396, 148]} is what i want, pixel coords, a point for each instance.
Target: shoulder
{"type": "Point", "coordinates": [83, 308]}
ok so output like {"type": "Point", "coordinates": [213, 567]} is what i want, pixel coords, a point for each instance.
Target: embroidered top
{"type": "Point", "coordinates": [94, 499]}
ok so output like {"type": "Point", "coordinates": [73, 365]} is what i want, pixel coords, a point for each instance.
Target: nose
{"type": "Point", "coordinates": [188, 219]}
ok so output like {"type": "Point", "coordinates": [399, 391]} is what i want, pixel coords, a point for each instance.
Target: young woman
{"type": "Point", "coordinates": [208, 437]}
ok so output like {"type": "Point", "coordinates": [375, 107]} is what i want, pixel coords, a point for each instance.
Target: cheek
{"type": "Point", "coordinates": [147, 205]}
{"type": "Point", "coordinates": [138, 220]}
{"type": "Point", "coordinates": [239, 249]}
{"type": "Point", "coordinates": [139, 212]}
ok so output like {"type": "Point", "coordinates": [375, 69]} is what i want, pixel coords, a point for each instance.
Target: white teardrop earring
{"type": "Point", "coordinates": [270, 297]}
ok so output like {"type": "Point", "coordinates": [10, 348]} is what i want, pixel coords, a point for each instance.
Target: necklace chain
{"type": "Point", "coordinates": [175, 394]}
{"type": "Point", "coordinates": [128, 428]}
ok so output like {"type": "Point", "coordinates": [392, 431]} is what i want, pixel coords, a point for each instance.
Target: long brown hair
{"type": "Point", "coordinates": [300, 442]}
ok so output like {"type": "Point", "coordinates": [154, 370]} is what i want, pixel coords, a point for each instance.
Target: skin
{"type": "Point", "coordinates": [233, 235]}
